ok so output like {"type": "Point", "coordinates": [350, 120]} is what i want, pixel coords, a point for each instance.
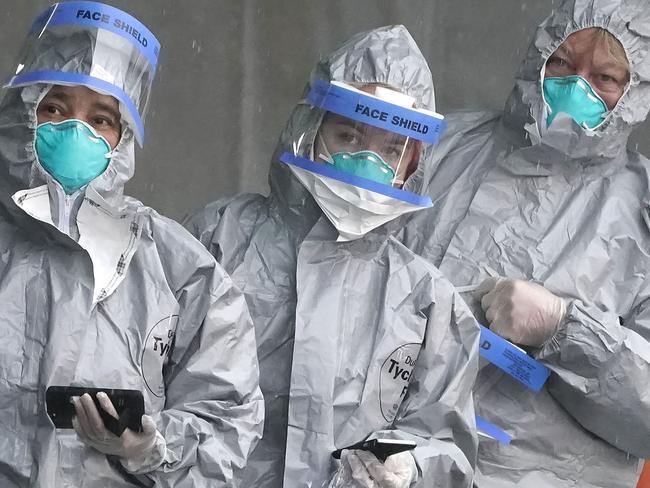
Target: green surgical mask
{"type": "Point", "coordinates": [367, 164]}
{"type": "Point", "coordinates": [574, 96]}
{"type": "Point", "coordinates": [72, 152]}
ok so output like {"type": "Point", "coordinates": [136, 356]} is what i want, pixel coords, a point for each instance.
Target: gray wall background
{"type": "Point", "coordinates": [231, 70]}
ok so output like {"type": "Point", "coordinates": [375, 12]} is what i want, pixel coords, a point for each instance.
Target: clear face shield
{"type": "Point", "coordinates": [366, 151]}
{"type": "Point", "coordinates": [94, 45]}
{"type": "Point", "coordinates": [362, 146]}
{"type": "Point", "coordinates": [366, 137]}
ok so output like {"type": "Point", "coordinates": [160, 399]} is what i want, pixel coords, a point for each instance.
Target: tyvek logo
{"type": "Point", "coordinates": [157, 345]}
{"type": "Point", "coordinates": [394, 378]}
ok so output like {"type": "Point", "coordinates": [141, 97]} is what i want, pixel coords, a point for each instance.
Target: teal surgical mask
{"type": "Point", "coordinates": [574, 96]}
{"type": "Point", "coordinates": [367, 164]}
{"type": "Point", "coordinates": [72, 152]}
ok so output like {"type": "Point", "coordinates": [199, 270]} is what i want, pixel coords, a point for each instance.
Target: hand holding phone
{"type": "Point", "coordinates": [132, 447]}
{"type": "Point", "coordinates": [128, 404]}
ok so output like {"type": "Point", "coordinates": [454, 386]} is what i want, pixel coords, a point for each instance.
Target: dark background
{"type": "Point", "coordinates": [231, 70]}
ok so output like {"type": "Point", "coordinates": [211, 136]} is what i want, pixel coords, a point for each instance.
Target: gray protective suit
{"type": "Point", "coordinates": [567, 210]}
{"type": "Point", "coordinates": [357, 338]}
{"type": "Point", "coordinates": [131, 301]}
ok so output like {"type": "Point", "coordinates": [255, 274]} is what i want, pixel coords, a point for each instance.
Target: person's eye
{"type": "Point", "coordinates": [605, 78]}
{"type": "Point", "coordinates": [395, 151]}
{"type": "Point", "coordinates": [558, 66]}
{"type": "Point", "coordinates": [348, 136]}
{"type": "Point", "coordinates": [557, 61]}
{"type": "Point", "coordinates": [101, 121]}
{"type": "Point", "coordinates": [52, 109]}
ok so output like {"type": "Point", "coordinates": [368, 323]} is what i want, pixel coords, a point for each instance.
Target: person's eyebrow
{"type": "Point", "coordinates": [101, 106]}
{"type": "Point", "coordinates": [563, 49]}
{"type": "Point", "coordinates": [611, 63]}
{"type": "Point", "coordinates": [59, 95]}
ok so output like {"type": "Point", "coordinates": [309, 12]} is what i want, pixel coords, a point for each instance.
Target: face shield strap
{"type": "Point", "coordinates": [94, 15]}
{"type": "Point", "coordinates": [131, 115]}
{"type": "Point", "coordinates": [330, 172]}
{"type": "Point", "coordinates": [362, 107]}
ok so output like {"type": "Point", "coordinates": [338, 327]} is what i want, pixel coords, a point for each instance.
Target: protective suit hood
{"type": "Point", "coordinates": [18, 161]}
{"type": "Point", "coordinates": [629, 22]}
{"type": "Point", "coordinates": [69, 44]}
{"type": "Point", "coordinates": [386, 55]}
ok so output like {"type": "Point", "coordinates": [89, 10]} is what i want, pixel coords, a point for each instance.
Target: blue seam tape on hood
{"type": "Point", "coordinates": [100, 16]}
{"type": "Point", "coordinates": [326, 170]}
{"type": "Point", "coordinates": [80, 79]}
{"type": "Point", "coordinates": [373, 111]}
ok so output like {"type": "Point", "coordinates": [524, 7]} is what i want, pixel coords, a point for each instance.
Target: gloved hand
{"type": "Point", "coordinates": [522, 312]}
{"type": "Point", "coordinates": [361, 469]}
{"type": "Point", "coordinates": [140, 452]}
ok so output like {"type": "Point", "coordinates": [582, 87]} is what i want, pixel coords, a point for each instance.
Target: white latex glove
{"type": "Point", "coordinates": [361, 469]}
{"type": "Point", "coordinates": [140, 452]}
{"type": "Point", "coordinates": [522, 312]}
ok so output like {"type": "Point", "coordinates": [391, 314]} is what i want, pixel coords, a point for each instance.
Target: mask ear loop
{"type": "Point", "coordinates": [327, 157]}
{"type": "Point", "coordinates": [312, 147]}
{"type": "Point", "coordinates": [401, 160]}
{"type": "Point", "coordinates": [547, 108]}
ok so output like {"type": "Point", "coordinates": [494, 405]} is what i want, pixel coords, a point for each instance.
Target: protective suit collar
{"type": "Point", "coordinates": [542, 159]}
{"type": "Point", "coordinates": [629, 22]}
{"type": "Point", "coordinates": [110, 237]}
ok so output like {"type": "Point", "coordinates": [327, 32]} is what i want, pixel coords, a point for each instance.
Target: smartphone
{"type": "Point", "coordinates": [129, 405]}
{"type": "Point", "coordinates": [381, 448]}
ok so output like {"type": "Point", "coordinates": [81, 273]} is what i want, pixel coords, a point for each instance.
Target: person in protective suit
{"type": "Point", "coordinates": [98, 290]}
{"type": "Point", "coordinates": [358, 338]}
{"type": "Point", "coordinates": [545, 208]}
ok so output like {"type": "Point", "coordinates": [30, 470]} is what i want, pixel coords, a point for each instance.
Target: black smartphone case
{"type": "Point", "coordinates": [380, 449]}
{"type": "Point", "coordinates": [129, 405]}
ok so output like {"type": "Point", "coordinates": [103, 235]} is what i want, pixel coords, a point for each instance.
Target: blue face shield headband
{"type": "Point", "coordinates": [574, 96]}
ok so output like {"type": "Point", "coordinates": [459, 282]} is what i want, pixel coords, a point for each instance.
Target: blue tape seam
{"type": "Point", "coordinates": [371, 110]}
{"type": "Point", "coordinates": [79, 79]}
{"type": "Point", "coordinates": [496, 350]}
{"type": "Point", "coordinates": [492, 430]}
{"type": "Point", "coordinates": [327, 170]}
{"type": "Point", "coordinates": [65, 13]}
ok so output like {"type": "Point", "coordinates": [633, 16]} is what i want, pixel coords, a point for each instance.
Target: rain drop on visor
{"type": "Point", "coordinates": [574, 96]}
{"type": "Point", "coordinates": [72, 152]}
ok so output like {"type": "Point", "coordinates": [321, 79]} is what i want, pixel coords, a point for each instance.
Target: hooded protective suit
{"type": "Point", "coordinates": [566, 210]}
{"type": "Point", "coordinates": [345, 329]}
{"type": "Point", "coordinates": [129, 301]}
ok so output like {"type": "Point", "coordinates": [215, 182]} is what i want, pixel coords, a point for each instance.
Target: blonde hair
{"type": "Point", "coordinates": [613, 46]}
